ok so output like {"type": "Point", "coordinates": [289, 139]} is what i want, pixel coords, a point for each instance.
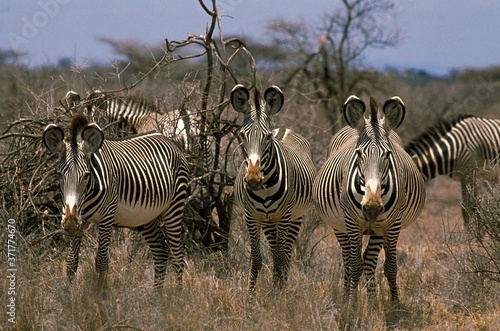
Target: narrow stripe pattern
{"type": "Point", "coordinates": [140, 182]}
{"type": "Point", "coordinates": [274, 183]}
{"type": "Point", "coordinates": [465, 148]}
{"type": "Point", "coordinates": [369, 186]}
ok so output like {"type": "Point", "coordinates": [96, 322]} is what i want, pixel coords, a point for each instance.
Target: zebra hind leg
{"type": "Point", "coordinates": [156, 240]}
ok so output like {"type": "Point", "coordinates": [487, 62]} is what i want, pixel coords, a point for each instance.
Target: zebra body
{"type": "Point", "coordinates": [142, 115]}
{"type": "Point", "coordinates": [140, 182]}
{"type": "Point", "coordinates": [369, 186]}
{"type": "Point", "coordinates": [274, 183]}
{"type": "Point", "coordinates": [465, 148]}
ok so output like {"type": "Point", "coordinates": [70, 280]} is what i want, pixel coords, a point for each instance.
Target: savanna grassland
{"type": "Point", "coordinates": [437, 293]}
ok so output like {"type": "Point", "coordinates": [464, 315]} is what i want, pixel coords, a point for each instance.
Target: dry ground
{"type": "Point", "coordinates": [436, 293]}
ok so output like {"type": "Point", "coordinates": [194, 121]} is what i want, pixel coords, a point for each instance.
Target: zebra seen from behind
{"type": "Point", "coordinates": [369, 186]}
{"type": "Point", "coordinates": [465, 148]}
{"type": "Point", "coordinates": [274, 183]}
{"type": "Point", "coordinates": [139, 182]}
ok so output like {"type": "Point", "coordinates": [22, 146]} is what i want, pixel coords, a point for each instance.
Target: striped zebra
{"type": "Point", "coordinates": [369, 186]}
{"type": "Point", "coordinates": [274, 183]}
{"type": "Point", "coordinates": [141, 115]}
{"type": "Point", "coordinates": [140, 182]}
{"type": "Point", "coordinates": [464, 148]}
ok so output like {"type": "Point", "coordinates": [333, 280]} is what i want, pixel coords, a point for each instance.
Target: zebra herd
{"type": "Point", "coordinates": [370, 184]}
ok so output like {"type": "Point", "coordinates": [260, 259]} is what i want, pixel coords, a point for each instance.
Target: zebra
{"type": "Point", "coordinates": [274, 183]}
{"type": "Point", "coordinates": [139, 182]}
{"type": "Point", "coordinates": [464, 148]}
{"type": "Point", "coordinates": [140, 114]}
{"type": "Point", "coordinates": [369, 186]}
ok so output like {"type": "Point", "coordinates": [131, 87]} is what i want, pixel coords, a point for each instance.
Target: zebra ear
{"type": "Point", "coordinates": [394, 110]}
{"type": "Point", "coordinates": [274, 99]}
{"type": "Point", "coordinates": [354, 109]}
{"type": "Point", "coordinates": [53, 139]}
{"type": "Point", "coordinates": [239, 98]}
{"type": "Point", "coordinates": [92, 137]}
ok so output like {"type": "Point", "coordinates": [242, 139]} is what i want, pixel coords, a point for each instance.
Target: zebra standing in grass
{"type": "Point", "coordinates": [369, 186]}
{"type": "Point", "coordinates": [274, 183]}
{"type": "Point", "coordinates": [464, 148]}
{"type": "Point", "coordinates": [140, 182]}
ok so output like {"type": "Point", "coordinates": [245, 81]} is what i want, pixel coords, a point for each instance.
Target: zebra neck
{"type": "Point", "coordinates": [274, 167]}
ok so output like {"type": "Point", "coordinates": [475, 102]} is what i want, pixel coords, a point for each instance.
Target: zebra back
{"type": "Point", "coordinates": [458, 147]}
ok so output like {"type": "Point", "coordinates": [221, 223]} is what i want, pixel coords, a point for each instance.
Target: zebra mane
{"type": "Point", "coordinates": [373, 111]}
{"type": "Point", "coordinates": [439, 129]}
{"type": "Point", "coordinates": [78, 122]}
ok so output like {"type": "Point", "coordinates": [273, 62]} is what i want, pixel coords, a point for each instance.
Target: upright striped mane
{"type": "Point", "coordinates": [78, 122]}
{"type": "Point", "coordinates": [441, 128]}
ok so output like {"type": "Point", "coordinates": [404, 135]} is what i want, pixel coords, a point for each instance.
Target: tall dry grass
{"type": "Point", "coordinates": [435, 293]}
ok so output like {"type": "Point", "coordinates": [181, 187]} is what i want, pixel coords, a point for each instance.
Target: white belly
{"type": "Point", "coordinates": [129, 216]}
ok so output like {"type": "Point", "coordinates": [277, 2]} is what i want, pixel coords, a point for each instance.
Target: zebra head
{"type": "Point", "coordinates": [256, 129]}
{"type": "Point", "coordinates": [73, 165]}
{"type": "Point", "coordinates": [371, 170]}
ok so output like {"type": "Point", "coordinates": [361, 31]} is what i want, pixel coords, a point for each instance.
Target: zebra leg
{"type": "Point", "coordinates": [467, 200]}
{"type": "Point", "coordinates": [287, 235]}
{"type": "Point", "coordinates": [156, 240]}
{"type": "Point", "coordinates": [172, 220]}
{"type": "Point", "coordinates": [256, 256]}
{"type": "Point", "coordinates": [271, 233]}
{"type": "Point", "coordinates": [102, 255]}
{"type": "Point", "coordinates": [343, 240]}
{"type": "Point", "coordinates": [356, 262]}
{"type": "Point", "coordinates": [390, 265]}
{"type": "Point", "coordinates": [370, 258]}
{"type": "Point", "coordinates": [73, 257]}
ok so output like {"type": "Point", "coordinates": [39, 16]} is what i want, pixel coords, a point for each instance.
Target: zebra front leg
{"type": "Point", "coordinates": [255, 254]}
{"type": "Point", "coordinates": [156, 240]}
{"type": "Point", "coordinates": [343, 240]}
{"type": "Point", "coordinates": [370, 258]}
{"type": "Point", "coordinates": [390, 265]}
{"type": "Point", "coordinates": [286, 236]}
{"type": "Point", "coordinates": [73, 257]}
{"type": "Point", "coordinates": [102, 255]}
{"type": "Point", "coordinates": [356, 265]}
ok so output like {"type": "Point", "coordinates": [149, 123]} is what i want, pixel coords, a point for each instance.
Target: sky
{"type": "Point", "coordinates": [436, 36]}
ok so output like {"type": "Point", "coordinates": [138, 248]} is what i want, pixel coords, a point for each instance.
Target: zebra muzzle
{"type": "Point", "coordinates": [70, 222]}
{"type": "Point", "coordinates": [253, 177]}
{"type": "Point", "coordinates": [372, 205]}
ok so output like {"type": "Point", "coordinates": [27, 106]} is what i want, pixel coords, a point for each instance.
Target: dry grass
{"type": "Point", "coordinates": [435, 294]}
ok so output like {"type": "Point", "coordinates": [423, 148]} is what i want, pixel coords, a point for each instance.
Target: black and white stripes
{"type": "Point", "coordinates": [369, 186]}
{"type": "Point", "coordinates": [463, 148]}
{"type": "Point", "coordinates": [136, 182]}
{"type": "Point", "coordinates": [274, 183]}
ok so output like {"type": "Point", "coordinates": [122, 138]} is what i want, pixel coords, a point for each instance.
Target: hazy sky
{"type": "Point", "coordinates": [437, 35]}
